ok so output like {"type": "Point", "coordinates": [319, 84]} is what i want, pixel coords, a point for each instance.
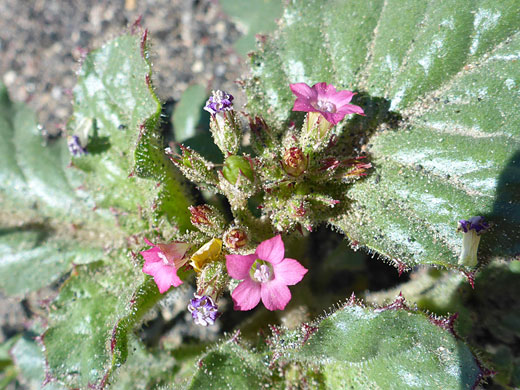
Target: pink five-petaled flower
{"type": "Point", "coordinates": [266, 275]}
{"type": "Point", "coordinates": [324, 98]}
{"type": "Point", "coordinates": [162, 262]}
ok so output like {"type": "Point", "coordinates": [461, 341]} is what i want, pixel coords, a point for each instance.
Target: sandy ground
{"type": "Point", "coordinates": [41, 43]}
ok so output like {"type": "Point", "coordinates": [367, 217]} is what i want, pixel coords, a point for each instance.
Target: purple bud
{"type": "Point", "coordinates": [219, 101]}
{"type": "Point", "coordinates": [75, 147]}
{"type": "Point", "coordinates": [203, 310]}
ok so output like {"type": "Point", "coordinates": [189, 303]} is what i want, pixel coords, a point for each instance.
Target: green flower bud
{"type": "Point", "coordinates": [234, 166]}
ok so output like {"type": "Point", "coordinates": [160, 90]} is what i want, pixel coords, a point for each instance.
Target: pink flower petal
{"type": "Point", "coordinates": [332, 118]}
{"type": "Point", "coordinates": [303, 91]}
{"type": "Point", "coordinates": [164, 275]}
{"type": "Point", "coordinates": [246, 295]}
{"type": "Point", "coordinates": [271, 250]}
{"type": "Point", "coordinates": [166, 279]}
{"type": "Point", "coordinates": [174, 251]}
{"type": "Point", "coordinates": [324, 90]}
{"type": "Point", "coordinates": [341, 98]}
{"type": "Point", "coordinates": [350, 109]}
{"type": "Point", "coordinates": [275, 295]}
{"type": "Point", "coordinates": [289, 272]}
{"type": "Point", "coordinates": [238, 266]}
{"type": "Point", "coordinates": [151, 268]}
{"type": "Point", "coordinates": [303, 105]}
{"type": "Point", "coordinates": [148, 242]}
{"type": "Point", "coordinates": [151, 255]}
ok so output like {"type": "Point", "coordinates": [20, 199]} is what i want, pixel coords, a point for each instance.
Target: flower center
{"type": "Point", "coordinates": [324, 105]}
{"type": "Point", "coordinates": [261, 271]}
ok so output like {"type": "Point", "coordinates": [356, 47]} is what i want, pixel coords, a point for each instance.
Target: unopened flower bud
{"type": "Point", "coordinates": [223, 125]}
{"type": "Point", "coordinates": [236, 238]}
{"type": "Point", "coordinates": [207, 219]}
{"type": "Point", "coordinates": [294, 162]}
{"type": "Point", "coordinates": [262, 138]}
{"type": "Point", "coordinates": [195, 167]}
{"type": "Point", "coordinates": [472, 230]}
{"type": "Point", "coordinates": [236, 166]}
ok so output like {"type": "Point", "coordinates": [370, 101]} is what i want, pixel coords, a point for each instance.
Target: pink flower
{"type": "Point", "coordinates": [266, 275]}
{"type": "Point", "coordinates": [324, 98]}
{"type": "Point", "coordinates": [162, 262]}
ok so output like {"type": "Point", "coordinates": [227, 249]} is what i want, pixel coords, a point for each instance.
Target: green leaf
{"type": "Point", "coordinates": [35, 256]}
{"type": "Point", "coordinates": [144, 370]}
{"type": "Point", "coordinates": [188, 112]}
{"type": "Point", "coordinates": [230, 366]}
{"type": "Point", "coordinates": [117, 108]}
{"type": "Point", "coordinates": [32, 175]}
{"type": "Point", "coordinates": [252, 18]}
{"type": "Point", "coordinates": [448, 72]}
{"type": "Point", "coordinates": [359, 348]}
{"type": "Point", "coordinates": [96, 308]}
{"type": "Point", "coordinates": [488, 316]}
{"type": "Point", "coordinates": [353, 348]}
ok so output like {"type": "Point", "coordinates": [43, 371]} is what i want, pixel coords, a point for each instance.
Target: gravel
{"type": "Point", "coordinates": [42, 42]}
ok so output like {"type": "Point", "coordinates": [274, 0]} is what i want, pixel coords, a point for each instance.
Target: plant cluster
{"type": "Point", "coordinates": [418, 166]}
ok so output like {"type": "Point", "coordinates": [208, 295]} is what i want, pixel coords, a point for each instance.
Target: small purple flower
{"type": "Point", "coordinates": [203, 310]}
{"type": "Point", "coordinates": [478, 224]}
{"type": "Point", "coordinates": [472, 229]}
{"type": "Point", "coordinates": [219, 101]}
{"type": "Point", "coordinates": [75, 147]}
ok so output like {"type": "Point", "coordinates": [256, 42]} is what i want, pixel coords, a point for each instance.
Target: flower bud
{"type": "Point", "coordinates": [195, 167]}
{"type": "Point", "coordinates": [294, 162]}
{"type": "Point", "coordinates": [236, 238]}
{"type": "Point", "coordinates": [224, 125]}
{"type": "Point", "coordinates": [236, 166]}
{"type": "Point", "coordinates": [207, 219]}
{"type": "Point", "coordinates": [261, 135]}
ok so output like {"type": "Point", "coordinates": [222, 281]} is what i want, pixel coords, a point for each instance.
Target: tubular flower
{"type": "Point", "coordinates": [472, 229]}
{"type": "Point", "coordinates": [162, 262]}
{"type": "Point", "coordinates": [324, 98]}
{"type": "Point", "coordinates": [265, 274]}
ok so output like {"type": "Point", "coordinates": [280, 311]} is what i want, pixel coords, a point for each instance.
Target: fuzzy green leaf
{"type": "Point", "coordinates": [448, 72]}
{"type": "Point", "coordinates": [32, 257]}
{"type": "Point", "coordinates": [360, 348]}
{"type": "Point", "coordinates": [117, 108]}
{"type": "Point", "coordinates": [230, 366]}
{"type": "Point", "coordinates": [95, 310]}
{"type": "Point", "coordinates": [32, 175]}
{"type": "Point", "coordinates": [353, 348]}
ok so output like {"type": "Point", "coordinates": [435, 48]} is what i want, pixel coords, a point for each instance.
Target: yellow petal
{"type": "Point", "coordinates": [207, 253]}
